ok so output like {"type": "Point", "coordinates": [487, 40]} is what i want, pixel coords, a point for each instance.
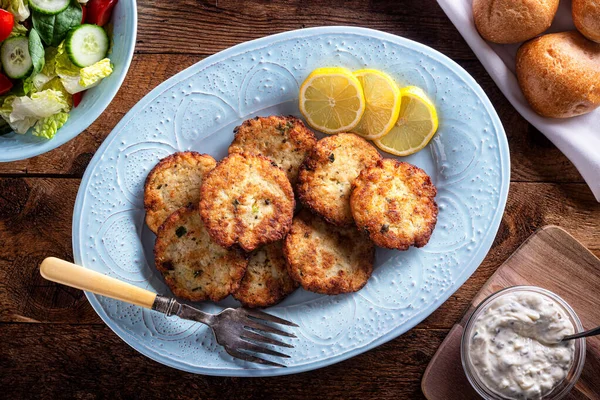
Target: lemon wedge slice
{"type": "Point", "coordinates": [382, 98]}
{"type": "Point", "coordinates": [332, 100]}
{"type": "Point", "coordinates": [416, 124]}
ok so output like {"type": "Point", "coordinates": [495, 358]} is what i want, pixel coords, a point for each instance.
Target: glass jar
{"type": "Point", "coordinates": [564, 386]}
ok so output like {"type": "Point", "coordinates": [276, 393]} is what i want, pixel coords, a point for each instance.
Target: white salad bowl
{"type": "Point", "coordinates": [15, 147]}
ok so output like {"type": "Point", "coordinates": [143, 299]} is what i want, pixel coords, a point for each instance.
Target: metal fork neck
{"type": "Point", "coordinates": [166, 305]}
{"type": "Point", "coordinates": [170, 306]}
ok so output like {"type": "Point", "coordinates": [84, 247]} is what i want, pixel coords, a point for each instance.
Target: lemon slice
{"type": "Point", "coordinates": [382, 98]}
{"type": "Point", "coordinates": [332, 100]}
{"type": "Point", "coordinates": [415, 126]}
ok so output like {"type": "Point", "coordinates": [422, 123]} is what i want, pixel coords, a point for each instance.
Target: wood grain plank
{"type": "Point", "coordinates": [82, 361]}
{"type": "Point", "coordinates": [35, 222]}
{"type": "Point", "coordinates": [533, 157]}
{"type": "Point", "coordinates": [204, 28]}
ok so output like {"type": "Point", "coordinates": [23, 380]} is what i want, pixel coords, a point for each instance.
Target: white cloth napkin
{"type": "Point", "coordinates": [579, 137]}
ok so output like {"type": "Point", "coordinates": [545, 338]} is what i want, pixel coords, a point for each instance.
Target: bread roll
{"type": "Point", "coordinates": [559, 74]}
{"type": "Point", "coordinates": [513, 21]}
{"type": "Point", "coordinates": [586, 15]}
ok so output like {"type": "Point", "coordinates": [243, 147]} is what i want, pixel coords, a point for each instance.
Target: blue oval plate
{"type": "Point", "coordinates": [198, 108]}
{"type": "Point", "coordinates": [15, 147]}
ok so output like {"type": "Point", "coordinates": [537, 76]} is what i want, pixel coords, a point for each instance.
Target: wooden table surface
{"type": "Point", "coordinates": [53, 345]}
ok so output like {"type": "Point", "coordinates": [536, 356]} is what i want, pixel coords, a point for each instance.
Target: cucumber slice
{"type": "Point", "coordinates": [15, 57]}
{"type": "Point", "coordinates": [49, 7]}
{"type": "Point", "coordinates": [86, 45]}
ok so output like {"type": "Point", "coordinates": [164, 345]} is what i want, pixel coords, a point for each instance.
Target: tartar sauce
{"type": "Point", "coordinates": [514, 345]}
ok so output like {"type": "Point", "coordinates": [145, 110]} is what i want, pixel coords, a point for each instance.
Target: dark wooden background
{"type": "Point", "coordinates": [52, 344]}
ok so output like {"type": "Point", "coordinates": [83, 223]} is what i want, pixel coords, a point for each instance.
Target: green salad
{"type": "Point", "coordinates": [50, 55]}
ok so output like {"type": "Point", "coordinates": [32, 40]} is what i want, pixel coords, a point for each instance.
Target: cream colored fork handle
{"type": "Point", "coordinates": [69, 274]}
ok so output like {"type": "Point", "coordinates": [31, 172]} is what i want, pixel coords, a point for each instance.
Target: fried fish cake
{"type": "Point", "coordinates": [395, 203]}
{"type": "Point", "coordinates": [246, 200]}
{"type": "Point", "coordinates": [325, 258]}
{"type": "Point", "coordinates": [326, 176]}
{"type": "Point", "coordinates": [173, 183]}
{"type": "Point", "coordinates": [284, 140]}
{"type": "Point", "coordinates": [193, 265]}
{"type": "Point", "coordinates": [267, 280]}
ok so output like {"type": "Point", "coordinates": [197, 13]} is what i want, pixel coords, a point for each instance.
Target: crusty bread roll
{"type": "Point", "coordinates": [559, 74]}
{"type": "Point", "coordinates": [586, 15]}
{"type": "Point", "coordinates": [513, 21]}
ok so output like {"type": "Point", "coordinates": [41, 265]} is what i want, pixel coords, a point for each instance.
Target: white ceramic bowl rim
{"type": "Point", "coordinates": [31, 146]}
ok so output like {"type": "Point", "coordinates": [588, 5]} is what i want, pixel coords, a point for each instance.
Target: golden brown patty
{"type": "Point", "coordinates": [284, 140]}
{"type": "Point", "coordinates": [326, 176]}
{"type": "Point", "coordinates": [173, 183]}
{"type": "Point", "coordinates": [394, 202]}
{"type": "Point", "coordinates": [325, 258]}
{"type": "Point", "coordinates": [193, 265]}
{"type": "Point", "coordinates": [267, 280]}
{"type": "Point", "coordinates": [247, 201]}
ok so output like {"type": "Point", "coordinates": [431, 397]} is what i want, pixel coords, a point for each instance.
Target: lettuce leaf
{"type": "Point", "coordinates": [23, 112]}
{"type": "Point", "coordinates": [18, 8]}
{"type": "Point", "coordinates": [40, 105]}
{"type": "Point", "coordinates": [56, 84]}
{"type": "Point", "coordinates": [47, 127]}
{"type": "Point", "coordinates": [40, 80]}
{"type": "Point", "coordinates": [76, 79]}
{"type": "Point", "coordinates": [93, 74]}
{"type": "Point", "coordinates": [21, 126]}
{"type": "Point", "coordinates": [18, 30]}
{"type": "Point", "coordinates": [72, 78]}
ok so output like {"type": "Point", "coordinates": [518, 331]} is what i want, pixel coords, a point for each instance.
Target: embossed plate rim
{"type": "Point", "coordinates": [475, 260]}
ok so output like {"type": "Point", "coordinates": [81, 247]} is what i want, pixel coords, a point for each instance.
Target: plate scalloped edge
{"type": "Point", "coordinates": [452, 174]}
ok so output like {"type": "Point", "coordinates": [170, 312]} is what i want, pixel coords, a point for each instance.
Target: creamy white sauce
{"type": "Point", "coordinates": [513, 346]}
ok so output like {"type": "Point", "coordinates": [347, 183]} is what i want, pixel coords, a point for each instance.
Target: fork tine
{"type": "Point", "coordinates": [253, 324]}
{"type": "Point", "coordinates": [260, 349]}
{"type": "Point", "coordinates": [251, 358]}
{"type": "Point", "coordinates": [268, 317]}
{"type": "Point", "coordinates": [264, 339]}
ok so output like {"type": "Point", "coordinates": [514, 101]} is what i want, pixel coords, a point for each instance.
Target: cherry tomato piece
{"type": "Point", "coordinates": [5, 84]}
{"type": "Point", "coordinates": [83, 13]}
{"type": "Point", "coordinates": [7, 22]}
{"type": "Point", "coordinates": [77, 98]}
{"type": "Point", "coordinates": [99, 11]}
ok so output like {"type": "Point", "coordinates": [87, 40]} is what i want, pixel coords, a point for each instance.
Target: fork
{"type": "Point", "coordinates": [237, 330]}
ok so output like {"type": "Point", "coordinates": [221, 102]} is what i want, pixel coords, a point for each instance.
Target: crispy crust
{"type": "Point", "coordinates": [246, 200]}
{"type": "Point", "coordinates": [394, 203]}
{"type": "Point", "coordinates": [510, 21]}
{"type": "Point", "coordinates": [326, 176]}
{"type": "Point", "coordinates": [284, 140]}
{"type": "Point", "coordinates": [173, 183]}
{"type": "Point", "coordinates": [586, 16]}
{"type": "Point", "coordinates": [325, 258]}
{"type": "Point", "coordinates": [559, 74]}
{"type": "Point", "coordinates": [193, 265]}
{"type": "Point", "coordinates": [267, 280]}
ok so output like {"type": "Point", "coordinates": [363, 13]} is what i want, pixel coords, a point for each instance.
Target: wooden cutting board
{"type": "Point", "coordinates": [552, 259]}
